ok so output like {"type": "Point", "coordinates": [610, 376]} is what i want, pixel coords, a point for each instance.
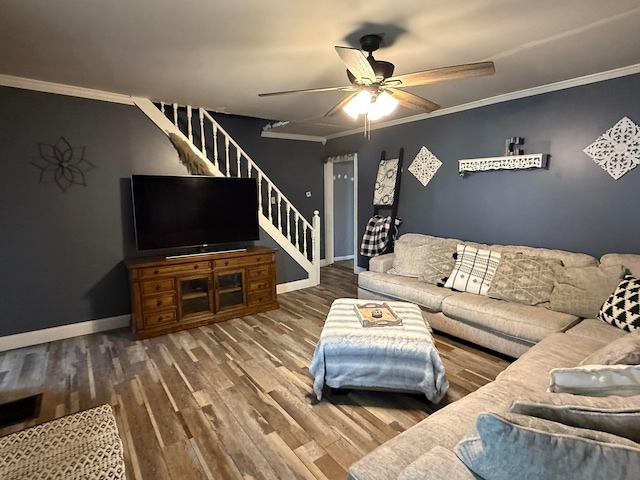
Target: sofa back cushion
{"type": "Point", "coordinates": [630, 261]}
{"type": "Point", "coordinates": [581, 291]}
{"type": "Point", "coordinates": [568, 259]}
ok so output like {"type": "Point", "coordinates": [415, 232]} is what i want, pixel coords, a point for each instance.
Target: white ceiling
{"type": "Point", "coordinates": [221, 54]}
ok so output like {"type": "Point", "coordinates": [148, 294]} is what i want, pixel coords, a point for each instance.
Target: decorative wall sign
{"type": "Point", "coordinates": [618, 149]}
{"type": "Point", "coordinates": [62, 164]}
{"type": "Point", "coordinates": [385, 188]}
{"type": "Point", "coordinates": [510, 162]}
{"type": "Point", "coordinates": [424, 166]}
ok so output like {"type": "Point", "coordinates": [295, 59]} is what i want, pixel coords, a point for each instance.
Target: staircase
{"type": "Point", "coordinates": [278, 217]}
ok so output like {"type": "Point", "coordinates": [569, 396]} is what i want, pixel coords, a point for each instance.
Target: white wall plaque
{"type": "Point", "coordinates": [424, 166]}
{"type": "Point", "coordinates": [510, 162]}
{"type": "Point", "coordinates": [618, 149]}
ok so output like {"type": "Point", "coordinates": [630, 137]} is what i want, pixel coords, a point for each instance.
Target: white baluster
{"type": "Point", "coordinates": [175, 114]}
{"type": "Point", "coordinates": [226, 153]}
{"type": "Point", "coordinates": [189, 125]}
{"type": "Point", "coordinates": [269, 201]}
{"type": "Point", "coordinates": [315, 242]}
{"type": "Point", "coordinates": [305, 226]}
{"type": "Point", "coordinates": [289, 221]}
{"type": "Point", "coordinates": [249, 166]}
{"type": "Point", "coordinates": [297, 217]}
{"type": "Point", "coordinates": [215, 145]}
{"type": "Point", "coordinates": [203, 144]}
{"type": "Point", "coordinates": [238, 162]}
{"type": "Point", "coordinates": [162, 108]}
{"type": "Point", "coordinates": [279, 211]}
{"type": "Point", "coordinates": [260, 193]}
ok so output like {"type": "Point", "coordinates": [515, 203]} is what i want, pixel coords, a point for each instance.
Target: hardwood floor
{"type": "Point", "coordinates": [230, 400]}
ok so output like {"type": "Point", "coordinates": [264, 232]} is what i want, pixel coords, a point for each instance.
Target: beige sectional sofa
{"type": "Point", "coordinates": [507, 327]}
{"type": "Point", "coordinates": [542, 338]}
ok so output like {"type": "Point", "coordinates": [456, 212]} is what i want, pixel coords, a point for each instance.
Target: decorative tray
{"type": "Point", "coordinates": [377, 315]}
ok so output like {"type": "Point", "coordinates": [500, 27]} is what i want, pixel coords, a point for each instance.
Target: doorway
{"type": "Point", "coordinates": [341, 209]}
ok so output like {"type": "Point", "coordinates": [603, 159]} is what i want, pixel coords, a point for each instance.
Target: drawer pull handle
{"type": "Point", "coordinates": [159, 302]}
{"type": "Point", "coordinates": [195, 267]}
{"type": "Point", "coordinates": [156, 271]}
{"type": "Point", "coordinates": [258, 259]}
{"type": "Point", "coordinates": [259, 272]}
{"type": "Point", "coordinates": [157, 287]}
{"type": "Point", "coordinates": [159, 319]}
{"type": "Point", "coordinates": [226, 263]}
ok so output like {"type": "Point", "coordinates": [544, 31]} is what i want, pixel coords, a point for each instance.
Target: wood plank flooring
{"type": "Point", "coordinates": [230, 400]}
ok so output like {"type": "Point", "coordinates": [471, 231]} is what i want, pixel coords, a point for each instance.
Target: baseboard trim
{"type": "Point", "coordinates": [344, 257]}
{"type": "Point", "coordinates": [36, 337]}
{"type": "Point", "coordinates": [292, 286]}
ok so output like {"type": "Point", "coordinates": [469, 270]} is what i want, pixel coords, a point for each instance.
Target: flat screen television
{"type": "Point", "coordinates": [194, 211]}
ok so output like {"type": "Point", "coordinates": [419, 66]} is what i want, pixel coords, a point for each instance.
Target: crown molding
{"type": "Point", "coordinates": [293, 136]}
{"type": "Point", "coordinates": [529, 92]}
{"type": "Point", "coordinates": [60, 89]}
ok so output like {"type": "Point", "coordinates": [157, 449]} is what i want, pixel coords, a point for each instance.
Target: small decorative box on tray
{"type": "Point", "coordinates": [377, 315]}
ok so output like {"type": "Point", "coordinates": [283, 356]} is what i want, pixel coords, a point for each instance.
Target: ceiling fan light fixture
{"type": "Point", "coordinates": [383, 106]}
{"type": "Point", "coordinates": [359, 104]}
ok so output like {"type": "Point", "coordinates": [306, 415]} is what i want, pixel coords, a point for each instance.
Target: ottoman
{"type": "Point", "coordinates": [397, 358]}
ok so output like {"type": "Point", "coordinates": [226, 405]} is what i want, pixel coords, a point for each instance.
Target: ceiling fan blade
{"type": "Point", "coordinates": [412, 101]}
{"type": "Point", "coordinates": [339, 106]}
{"type": "Point", "coordinates": [347, 88]}
{"type": "Point", "coordinates": [454, 72]}
{"type": "Point", "coordinates": [357, 64]}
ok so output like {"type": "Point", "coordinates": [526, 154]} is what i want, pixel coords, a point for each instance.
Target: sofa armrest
{"type": "Point", "coordinates": [437, 464]}
{"type": "Point", "coordinates": [381, 263]}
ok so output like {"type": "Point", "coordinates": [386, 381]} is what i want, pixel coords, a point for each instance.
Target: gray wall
{"type": "Point", "coordinates": [61, 254]}
{"type": "Point", "coordinates": [573, 204]}
{"type": "Point", "coordinates": [342, 209]}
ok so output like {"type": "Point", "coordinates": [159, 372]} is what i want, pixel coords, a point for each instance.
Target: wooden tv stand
{"type": "Point", "coordinates": [173, 294]}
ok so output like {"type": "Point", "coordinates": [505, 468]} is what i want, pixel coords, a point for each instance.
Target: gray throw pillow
{"type": "Point", "coordinates": [409, 259]}
{"type": "Point", "coordinates": [520, 447]}
{"type": "Point", "coordinates": [439, 263]}
{"type": "Point", "coordinates": [596, 380]}
{"type": "Point", "coordinates": [581, 291]}
{"type": "Point", "coordinates": [621, 422]}
{"type": "Point", "coordinates": [523, 279]}
{"type": "Point", "coordinates": [625, 350]}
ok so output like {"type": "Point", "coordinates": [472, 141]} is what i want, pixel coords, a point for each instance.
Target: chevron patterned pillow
{"type": "Point", "coordinates": [622, 308]}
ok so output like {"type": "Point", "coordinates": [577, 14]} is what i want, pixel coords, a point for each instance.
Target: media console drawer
{"type": "Point", "coordinates": [176, 294]}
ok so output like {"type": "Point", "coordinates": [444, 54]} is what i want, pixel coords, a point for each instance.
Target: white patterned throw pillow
{"type": "Point", "coordinates": [473, 270]}
{"type": "Point", "coordinates": [622, 308]}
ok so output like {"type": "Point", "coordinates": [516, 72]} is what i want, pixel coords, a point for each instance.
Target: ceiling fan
{"type": "Point", "coordinates": [377, 92]}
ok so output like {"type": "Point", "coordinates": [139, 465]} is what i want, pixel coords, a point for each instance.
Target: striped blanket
{"type": "Point", "coordinates": [401, 358]}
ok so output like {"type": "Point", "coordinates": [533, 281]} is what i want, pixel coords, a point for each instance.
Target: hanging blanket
{"type": "Point", "coordinates": [376, 238]}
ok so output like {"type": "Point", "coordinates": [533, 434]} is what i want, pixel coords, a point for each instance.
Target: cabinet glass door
{"type": "Point", "coordinates": [195, 297]}
{"type": "Point", "coordinates": [230, 289]}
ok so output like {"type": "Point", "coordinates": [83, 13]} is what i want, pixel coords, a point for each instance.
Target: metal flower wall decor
{"type": "Point", "coordinates": [617, 150]}
{"type": "Point", "coordinates": [62, 164]}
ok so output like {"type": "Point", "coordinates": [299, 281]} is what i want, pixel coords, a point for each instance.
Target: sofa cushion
{"type": "Point", "coordinates": [623, 351]}
{"type": "Point", "coordinates": [581, 291]}
{"type": "Point", "coordinates": [518, 446]}
{"type": "Point", "coordinates": [473, 270]}
{"type": "Point", "coordinates": [622, 308]}
{"type": "Point", "coordinates": [630, 261]}
{"type": "Point", "coordinates": [404, 288]}
{"type": "Point", "coordinates": [437, 464]}
{"type": "Point", "coordinates": [621, 422]}
{"type": "Point", "coordinates": [523, 279]}
{"type": "Point", "coordinates": [381, 263]}
{"type": "Point", "coordinates": [513, 319]}
{"type": "Point", "coordinates": [409, 259]}
{"type": "Point", "coordinates": [597, 330]}
{"type": "Point", "coordinates": [439, 263]}
{"type": "Point", "coordinates": [596, 380]}
{"type": "Point", "coordinates": [568, 259]}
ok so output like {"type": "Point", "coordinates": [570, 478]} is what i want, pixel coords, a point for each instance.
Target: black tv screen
{"type": "Point", "coordinates": [171, 212]}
